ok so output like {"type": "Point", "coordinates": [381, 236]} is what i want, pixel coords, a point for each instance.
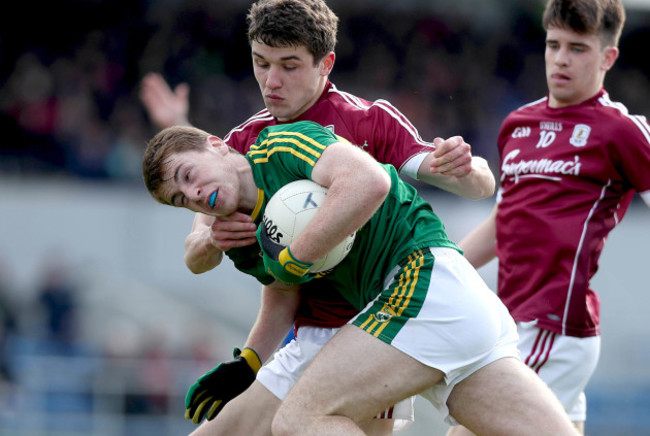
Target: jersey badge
{"type": "Point", "coordinates": [580, 135]}
{"type": "Point", "coordinates": [385, 314]}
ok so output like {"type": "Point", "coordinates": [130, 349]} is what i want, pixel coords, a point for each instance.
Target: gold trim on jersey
{"type": "Point", "coordinates": [266, 148]}
{"type": "Point", "coordinates": [259, 204]}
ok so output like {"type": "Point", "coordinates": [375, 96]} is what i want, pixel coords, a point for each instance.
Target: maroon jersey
{"type": "Point", "coordinates": [567, 177]}
{"type": "Point", "coordinates": [378, 128]}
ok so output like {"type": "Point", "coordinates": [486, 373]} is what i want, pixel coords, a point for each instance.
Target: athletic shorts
{"type": "Point", "coordinates": [281, 373]}
{"type": "Point", "coordinates": [436, 308]}
{"type": "Point", "coordinates": [565, 363]}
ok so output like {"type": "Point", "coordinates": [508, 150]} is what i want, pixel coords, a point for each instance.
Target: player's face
{"type": "Point", "coordinates": [289, 80]}
{"type": "Point", "coordinates": [203, 181]}
{"type": "Point", "coordinates": [575, 66]}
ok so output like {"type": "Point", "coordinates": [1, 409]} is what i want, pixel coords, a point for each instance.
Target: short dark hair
{"type": "Point", "coordinates": [165, 143]}
{"type": "Point", "coordinates": [292, 23]}
{"type": "Point", "coordinates": [603, 18]}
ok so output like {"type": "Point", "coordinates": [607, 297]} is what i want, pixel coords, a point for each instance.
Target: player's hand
{"type": "Point", "coordinates": [213, 390]}
{"type": "Point", "coordinates": [165, 107]}
{"type": "Point", "coordinates": [280, 263]}
{"type": "Point", "coordinates": [452, 157]}
{"type": "Point", "coordinates": [234, 230]}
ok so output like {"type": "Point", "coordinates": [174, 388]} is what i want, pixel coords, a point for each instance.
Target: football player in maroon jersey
{"type": "Point", "coordinates": [570, 164]}
{"type": "Point", "coordinates": [292, 46]}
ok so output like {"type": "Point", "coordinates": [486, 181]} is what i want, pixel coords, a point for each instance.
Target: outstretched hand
{"type": "Point", "coordinates": [452, 157]}
{"type": "Point", "coordinates": [165, 107]}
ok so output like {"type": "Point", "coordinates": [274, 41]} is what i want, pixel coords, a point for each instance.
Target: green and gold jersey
{"type": "Point", "coordinates": [403, 223]}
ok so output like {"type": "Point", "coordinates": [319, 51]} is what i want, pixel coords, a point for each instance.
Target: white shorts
{"type": "Point", "coordinates": [565, 363]}
{"type": "Point", "coordinates": [465, 324]}
{"type": "Point", "coordinates": [281, 373]}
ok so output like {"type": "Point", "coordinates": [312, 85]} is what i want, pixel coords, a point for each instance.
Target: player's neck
{"type": "Point", "coordinates": [249, 193]}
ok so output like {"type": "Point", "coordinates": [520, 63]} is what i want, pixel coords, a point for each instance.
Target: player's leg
{"type": "Point", "coordinates": [506, 397]}
{"type": "Point", "coordinates": [394, 420]}
{"type": "Point", "coordinates": [334, 395]}
{"type": "Point", "coordinates": [503, 398]}
{"type": "Point", "coordinates": [459, 430]}
{"type": "Point", "coordinates": [288, 364]}
{"type": "Point", "coordinates": [467, 331]}
{"type": "Point", "coordinates": [369, 365]}
{"type": "Point", "coordinates": [378, 427]}
{"type": "Point", "coordinates": [565, 363]}
{"type": "Point", "coordinates": [249, 414]}
{"type": "Point", "coordinates": [580, 426]}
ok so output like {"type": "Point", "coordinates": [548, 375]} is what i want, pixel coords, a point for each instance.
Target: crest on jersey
{"type": "Point", "coordinates": [385, 314]}
{"type": "Point", "coordinates": [580, 135]}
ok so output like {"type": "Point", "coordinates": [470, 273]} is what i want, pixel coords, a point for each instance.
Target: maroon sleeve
{"type": "Point", "coordinates": [631, 151]}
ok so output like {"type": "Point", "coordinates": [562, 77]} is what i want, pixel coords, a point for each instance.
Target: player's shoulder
{"type": "Point", "coordinates": [618, 115]}
{"type": "Point", "coordinates": [524, 115]}
{"type": "Point", "coordinates": [245, 134]}
{"type": "Point", "coordinates": [345, 100]}
{"type": "Point", "coordinates": [299, 139]}
{"type": "Point", "coordinates": [297, 129]}
{"type": "Point", "coordinates": [531, 108]}
{"type": "Point", "coordinates": [355, 106]}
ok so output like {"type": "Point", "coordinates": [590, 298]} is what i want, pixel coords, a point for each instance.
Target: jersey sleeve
{"type": "Point", "coordinates": [632, 151]}
{"type": "Point", "coordinates": [392, 138]}
{"type": "Point", "coordinates": [244, 135]}
{"type": "Point", "coordinates": [248, 260]}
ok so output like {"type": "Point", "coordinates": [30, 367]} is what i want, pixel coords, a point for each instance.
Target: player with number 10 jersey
{"type": "Point", "coordinates": [579, 166]}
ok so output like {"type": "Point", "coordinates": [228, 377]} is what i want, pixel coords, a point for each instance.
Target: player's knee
{"type": "Point", "coordinates": [285, 423]}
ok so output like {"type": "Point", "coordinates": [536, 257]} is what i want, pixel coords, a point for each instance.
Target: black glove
{"type": "Point", "coordinates": [214, 389]}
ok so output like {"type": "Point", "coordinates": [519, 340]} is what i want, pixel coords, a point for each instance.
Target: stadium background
{"type": "Point", "coordinates": [102, 328]}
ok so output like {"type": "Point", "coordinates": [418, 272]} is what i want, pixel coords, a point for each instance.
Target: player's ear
{"type": "Point", "coordinates": [610, 54]}
{"type": "Point", "coordinates": [217, 143]}
{"type": "Point", "coordinates": [327, 63]}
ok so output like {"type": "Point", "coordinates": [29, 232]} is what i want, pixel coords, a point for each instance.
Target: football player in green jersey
{"type": "Point", "coordinates": [427, 323]}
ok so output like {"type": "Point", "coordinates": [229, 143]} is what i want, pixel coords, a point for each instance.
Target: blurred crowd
{"type": "Point", "coordinates": [69, 100]}
{"type": "Point", "coordinates": [53, 377]}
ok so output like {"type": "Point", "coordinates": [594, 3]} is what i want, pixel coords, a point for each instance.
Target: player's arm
{"type": "Point", "coordinates": [452, 167]}
{"type": "Point", "coordinates": [165, 107]}
{"type": "Point", "coordinates": [207, 397]}
{"type": "Point", "coordinates": [211, 236]}
{"type": "Point", "coordinates": [479, 245]}
{"type": "Point", "coordinates": [357, 186]}
{"type": "Point", "coordinates": [275, 318]}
